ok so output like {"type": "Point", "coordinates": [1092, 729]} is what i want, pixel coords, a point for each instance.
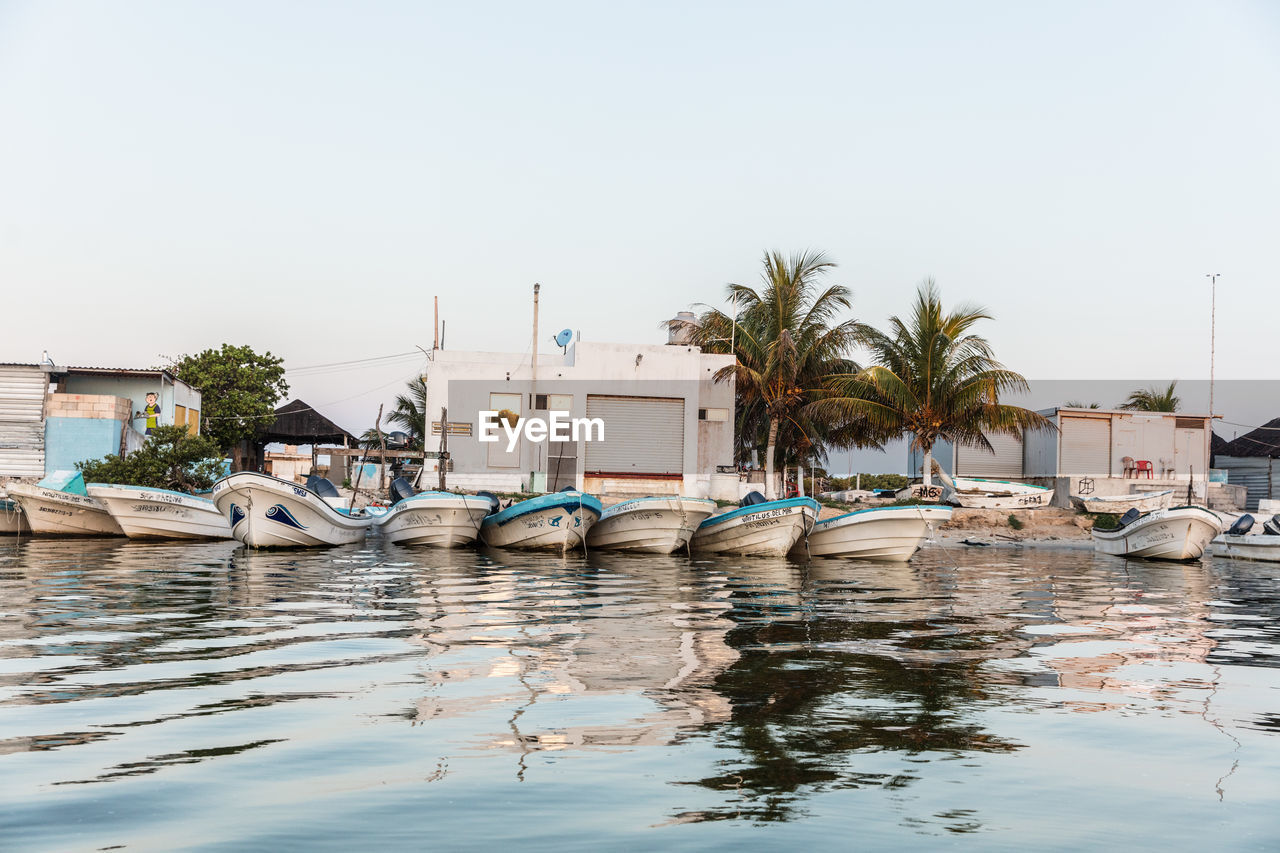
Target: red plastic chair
{"type": "Point", "coordinates": [1142, 466]}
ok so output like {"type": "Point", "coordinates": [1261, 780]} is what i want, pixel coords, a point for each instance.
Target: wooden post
{"type": "Point", "coordinates": [443, 458]}
{"type": "Point", "coordinates": [382, 444]}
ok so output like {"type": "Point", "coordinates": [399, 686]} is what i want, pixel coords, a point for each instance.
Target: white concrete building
{"type": "Point", "coordinates": [668, 425]}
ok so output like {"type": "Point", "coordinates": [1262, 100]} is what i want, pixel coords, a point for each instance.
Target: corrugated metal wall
{"type": "Point", "coordinates": [642, 435]}
{"type": "Point", "coordinates": [22, 391]}
{"type": "Point", "coordinates": [1004, 463]}
{"type": "Point", "coordinates": [1259, 475]}
{"type": "Point", "coordinates": [1086, 447]}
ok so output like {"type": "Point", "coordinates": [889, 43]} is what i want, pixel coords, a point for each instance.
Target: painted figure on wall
{"type": "Point", "coordinates": [151, 412]}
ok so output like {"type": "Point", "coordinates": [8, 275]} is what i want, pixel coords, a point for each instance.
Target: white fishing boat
{"type": "Point", "coordinates": [1176, 533]}
{"type": "Point", "coordinates": [146, 513]}
{"type": "Point", "coordinates": [1120, 504]}
{"type": "Point", "coordinates": [892, 533]}
{"type": "Point", "coordinates": [757, 528]}
{"type": "Point", "coordinates": [11, 519]}
{"type": "Point", "coordinates": [980, 493]}
{"type": "Point", "coordinates": [266, 512]}
{"type": "Point", "coordinates": [1245, 541]}
{"type": "Point", "coordinates": [653, 525]}
{"type": "Point", "coordinates": [439, 519]}
{"type": "Point", "coordinates": [59, 505]}
{"type": "Point", "coordinates": [554, 522]}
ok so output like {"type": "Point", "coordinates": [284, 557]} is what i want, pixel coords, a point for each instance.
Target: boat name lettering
{"type": "Point", "coordinates": [55, 511]}
{"type": "Point", "coordinates": [302, 493]}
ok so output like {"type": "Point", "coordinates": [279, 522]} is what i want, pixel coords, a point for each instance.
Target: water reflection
{"type": "Point", "coordinates": [701, 691]}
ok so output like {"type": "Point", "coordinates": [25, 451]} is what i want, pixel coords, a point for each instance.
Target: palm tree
{"type": "Point", "coordinates": [931, 379]}
{"type": "Point", "coordinates": [1076, 404]}
{"type": "Point", "coordinates": [1152, 399]}
{"type": "Point", "coordinates": [789, 342]}
{"type": "Point", "coordinates": [410, 412]}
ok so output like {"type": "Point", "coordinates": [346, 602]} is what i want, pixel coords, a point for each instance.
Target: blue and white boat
{"type": "Point", "coordinates": [554, 522]}
{"type": "Point", "coordinates": [439, 519]}
{"type": "Point", "coordinates": [653, 525]}
{"type": "Point", "coordinates": [147, 513]}
{"type": "Point", "coordinates": [60, 505]}
{"type": "Point", "coordinates": [266, 512]}
{"type": "Point", "coordinates": [757, 528]}
{"type": "Point", "coordinates": [892, 533]}
{"type": "Point", "coordinates": [11, 520]}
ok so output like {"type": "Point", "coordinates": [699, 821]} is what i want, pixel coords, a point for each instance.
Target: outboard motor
{"type": "Point", "coordinates": [401, 489]}
{"type": "Point", "coordinates": [1128, 518]}
{"type": "Point", "coordinates": [1272, 527]}
{"type": "Point", "coordinates": [322, 487]}
{"type": "Point", "coordinates": [494, 503]}
{"type": "Point", "coordinates": [751, 499]}
{"type": "Point", "coordinates": [1242, 525]}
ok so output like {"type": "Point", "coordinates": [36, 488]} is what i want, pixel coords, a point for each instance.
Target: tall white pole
{"type": "Point", "coordinates": [1213, 331]}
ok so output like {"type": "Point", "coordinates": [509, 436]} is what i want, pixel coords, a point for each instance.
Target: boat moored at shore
{"type": "Point", "coordinates": [979, 493]}
{"type": "Point", "coordinates": [12, 521]}
{"type": "Point", "coordinates": [1120, 504]}
{"type": "Point", "coordinates": [757, 528]}
{"type": "Point", "coordinates": [59, 505]}
{"type": "Point", "coordinates": [438, 519]}
{"type": "Point", "coordinates": [1177, 533]}
{"type": "Point", "coordinates": [1244, 540]}
{"type": "Point", "coordinates": [266, 512]}
{"type": "Point", "coordinates": [555, 522]}
{"type": "Point", "coordinates": [891, 533]}
{"type": "Point", "coordinates": [652, 525]}
{"type": "Point", "coordinates": [148, 513]}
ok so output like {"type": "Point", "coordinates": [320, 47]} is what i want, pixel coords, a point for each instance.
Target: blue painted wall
{"type": "Point", "coordinates": [71, 440]}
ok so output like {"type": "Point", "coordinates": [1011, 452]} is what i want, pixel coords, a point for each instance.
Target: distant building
{"type": "Point", "coordinates": [1103, 451]}
{"type": "Point", "coordinates": [668, 425]}
{"type": "Point", "coordinates": [1252, 460]}
{"type": "Point", "coordinates": [52, 417]}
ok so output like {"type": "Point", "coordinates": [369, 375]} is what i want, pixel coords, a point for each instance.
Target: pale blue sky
{"type": "Point", "coordinates": [304, 177]}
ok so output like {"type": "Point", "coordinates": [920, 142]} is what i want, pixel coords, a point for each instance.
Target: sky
{"type": "Point", "coordinates": [305, 177]}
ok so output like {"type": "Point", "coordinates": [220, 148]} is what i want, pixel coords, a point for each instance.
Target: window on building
{"type": "Point", "coordinates": [179, 415]}
{"type": "Point", "coordinates": [193, 421]}
{"type": "Point", "coordinates": [713, 414]}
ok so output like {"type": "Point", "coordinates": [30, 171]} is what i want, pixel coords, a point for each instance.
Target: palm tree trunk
{"type": "Point", "coordinates": [769, 492]}
{"type": "Point", "coordinates": [928, 466]}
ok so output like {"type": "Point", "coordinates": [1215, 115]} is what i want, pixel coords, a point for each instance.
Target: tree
{"type": "Point", "coordinates": [931, 379]}
{"type": "Point", "coordinates": [171, 458]}
{"type": "Point", "coordinates": [410, 412]}
{"type": "Point", "coordinates": [1151, 399]}
{"type": "Point", "coordinates": [238, 389]}
{"type": "Point", "coordinates": [789, 342]}
{"type": "Point", "coordinates": [1076, 404]}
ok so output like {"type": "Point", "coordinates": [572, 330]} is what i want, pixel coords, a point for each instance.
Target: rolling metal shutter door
{"type": "Point", "coordinates": [1086, 447]}
{"type": "Point", "coordinates": [643, 435]}
{"type": "Point", "coordinates": [22, 391]}
{"type": "Point", "coordinates": [1006, 462]}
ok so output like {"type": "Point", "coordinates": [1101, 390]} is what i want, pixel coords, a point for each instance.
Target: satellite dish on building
{"type": "Point", "coordinates": [564, 337]}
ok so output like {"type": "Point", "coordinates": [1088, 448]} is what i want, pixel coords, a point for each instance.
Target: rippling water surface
{"type": "Point", "coordinates": [199, 696]}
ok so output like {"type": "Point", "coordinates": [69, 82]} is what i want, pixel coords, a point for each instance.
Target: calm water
{"type": "Point", "coordinates": [198, 696]}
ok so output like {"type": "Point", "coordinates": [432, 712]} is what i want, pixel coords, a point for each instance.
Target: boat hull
{"type": "Point", "coordinates": [556, 522]}
{"type": "Point", "coordinates": [144, 513]}
{"type": "Point", "coordinates": [434, 519]}
{"type": "Point", "coordinates": [12, 521]}
{"type": "Point", "coordinates": [977, 493]}
{"type": "Point", "coordinates": [657, 525]}
{"type": "Point", "coordinates": [1249, 547]}
{"type": "Point", "coordinates": [1180, 533]}
{"type": "Point", "coordinates": [891, 534]}
{"type": "Point", "coordinates": [769, 529]}
{"type": "Point", "coordinates": [52, 513]}
{"type": "Point", "coordinates": [1121, 504]}
{"type": "Point", "coordinates": [265, 512]}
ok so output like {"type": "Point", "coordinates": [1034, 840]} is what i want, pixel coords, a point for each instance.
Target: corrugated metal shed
{"type": "Point", "coordinates": [22, 393]}
{"type": "Point", "coordinates": [1260, 476]}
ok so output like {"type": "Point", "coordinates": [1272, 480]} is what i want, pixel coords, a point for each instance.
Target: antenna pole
{"type": "Point", "coordinates": [435, 341]}
{"type": "Point", "coordinates": [1213, 331]}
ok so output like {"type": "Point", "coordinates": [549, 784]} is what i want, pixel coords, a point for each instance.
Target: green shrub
{"type": "Point", "coordinates": [172, 458]}
{"type": "Point", "coordinates": [1015, 522]}
{"type": "Point", "coordinates": [1104, 520]}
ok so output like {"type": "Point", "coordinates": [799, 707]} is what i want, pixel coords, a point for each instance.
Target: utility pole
{"type": "Point", "coordinates": [443, 457]}
{"type": "Point", "coordinates": [1213, 322]}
